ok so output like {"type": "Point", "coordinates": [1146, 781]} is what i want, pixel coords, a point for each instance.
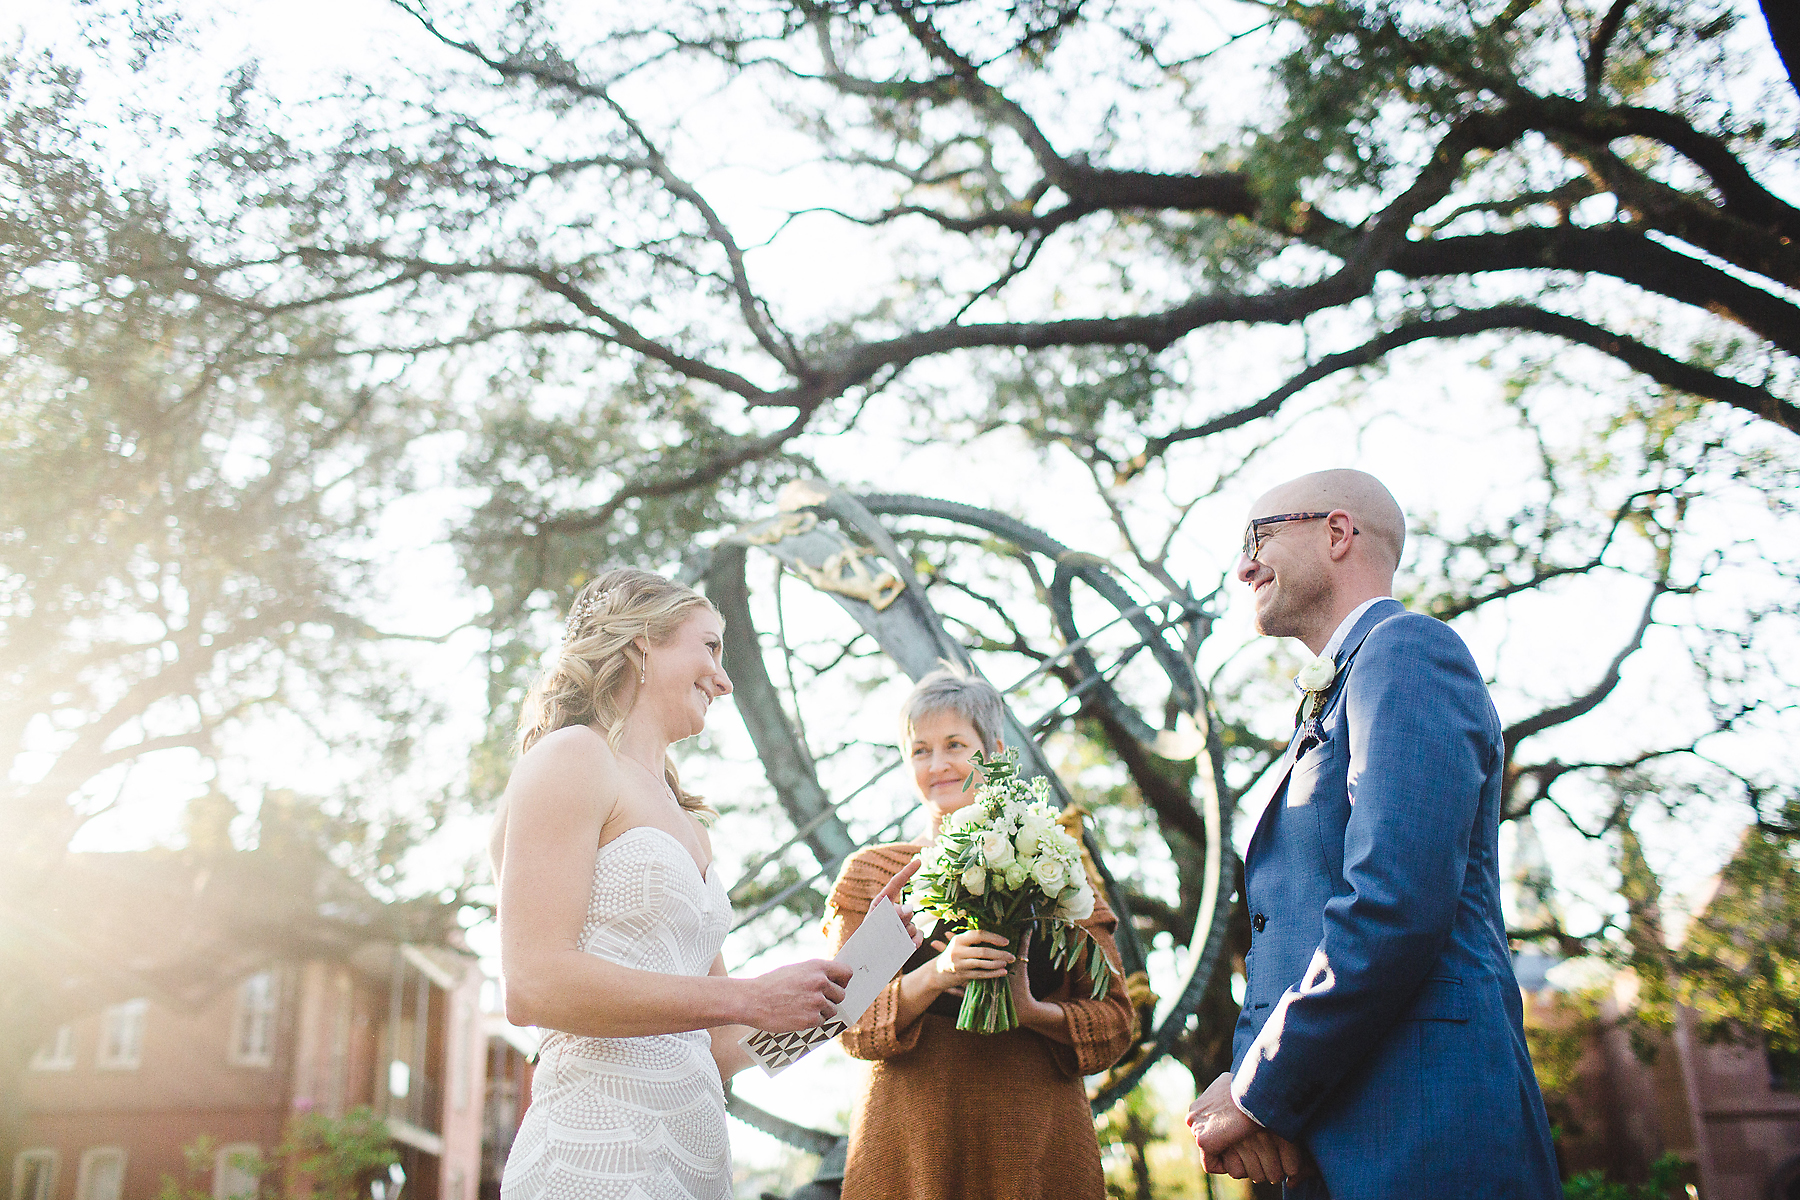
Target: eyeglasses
{"type": "Point", "coordinates": [1254, 537]}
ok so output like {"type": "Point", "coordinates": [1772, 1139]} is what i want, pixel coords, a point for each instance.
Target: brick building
{"type": "Point", "coordinates": [1732, 1112]}
{"type": "Point", "coordinates": [114, 1097]}
{"type": "Point", "coordinates": [249, 987]}
{"type": "Point", "coordinates": [1729, 1110]}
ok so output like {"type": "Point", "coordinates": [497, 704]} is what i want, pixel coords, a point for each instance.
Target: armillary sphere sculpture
{"type": "Point", "coordinates": [1100, 630]}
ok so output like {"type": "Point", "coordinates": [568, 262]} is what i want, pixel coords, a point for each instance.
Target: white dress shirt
{"type": "Point", "coordinates": [1344, 627]}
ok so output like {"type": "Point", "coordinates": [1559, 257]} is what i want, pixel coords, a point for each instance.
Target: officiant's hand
{"type": "Point", "coordinates": [892, 892]}
{"type": "Point", "coordinates": [971, 954]}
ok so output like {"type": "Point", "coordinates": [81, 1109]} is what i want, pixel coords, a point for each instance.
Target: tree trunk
{"type": "Point", "coordinates": [1137, 1136]}
{"type": "Point", "coordinates": [1783, 19]}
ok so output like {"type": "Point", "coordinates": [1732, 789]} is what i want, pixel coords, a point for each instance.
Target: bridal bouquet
{"type": "Point", "coordinates": [1003, 864]}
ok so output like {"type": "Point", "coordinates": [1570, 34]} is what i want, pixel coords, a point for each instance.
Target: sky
{"type": "Point", "coordinates": [1453, 469]}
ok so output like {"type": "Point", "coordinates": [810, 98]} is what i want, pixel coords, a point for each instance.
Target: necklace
{"type": "Point", "coordinates": [661, 779]}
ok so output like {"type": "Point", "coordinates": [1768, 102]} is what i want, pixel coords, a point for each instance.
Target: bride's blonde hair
{"type": "Point", "coordinates": [586, 681]}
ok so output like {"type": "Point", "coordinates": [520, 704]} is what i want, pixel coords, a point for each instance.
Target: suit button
{"type": "Point", "coordinates": [1258, 921]}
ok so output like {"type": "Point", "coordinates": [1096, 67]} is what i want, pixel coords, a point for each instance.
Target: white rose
{"type": "Point", "coordinates": [997, 849]}
{"type": "Point", "coordinates": [1317, 674]}
{"type": "Point", "coordinates": [1075, 904]}
{"type": "Point", "coordinates": [974, 881]}
{"type": "Point", "coordinates": [1032, 829]}
{"type": "Point", "coordinates": [1051, 875]}
{"type": "Point", "coordinates": [1015, 876]}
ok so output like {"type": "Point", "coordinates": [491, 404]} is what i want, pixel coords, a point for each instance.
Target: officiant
{"type": "Point", "coordinates": [955, 1115]}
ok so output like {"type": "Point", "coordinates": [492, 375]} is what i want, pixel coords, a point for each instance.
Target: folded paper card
{"type": "Point", "coordinates": [879, 947]}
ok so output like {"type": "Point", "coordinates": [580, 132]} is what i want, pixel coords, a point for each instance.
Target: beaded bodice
{"type": "Point", "coordinates": [633, 1118]}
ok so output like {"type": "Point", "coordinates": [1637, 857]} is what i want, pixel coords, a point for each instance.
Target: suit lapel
{"type": "Point", "coordinates": [1359, 633]}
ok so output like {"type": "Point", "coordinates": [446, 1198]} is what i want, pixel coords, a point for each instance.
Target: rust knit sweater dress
{"type": "Point", "coordinates": [950, 1115]}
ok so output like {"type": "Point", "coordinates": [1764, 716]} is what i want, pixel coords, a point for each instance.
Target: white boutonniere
{"type": "Point", "coordinates": [1315, 677]}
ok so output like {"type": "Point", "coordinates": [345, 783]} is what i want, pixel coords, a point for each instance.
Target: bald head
{"type": "Point", "coordinates": [1378, 516]}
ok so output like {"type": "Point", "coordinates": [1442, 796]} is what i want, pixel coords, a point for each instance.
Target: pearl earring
{"type": "Point", "coordinates": [643, 665]}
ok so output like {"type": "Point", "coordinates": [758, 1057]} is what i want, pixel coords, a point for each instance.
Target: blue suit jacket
{"type": "Point", "coordinates": [1382, 1027]}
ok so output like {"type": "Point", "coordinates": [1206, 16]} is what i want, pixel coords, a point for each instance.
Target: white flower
{"type": "Point", "coordinates": [974, 881]}
{"type": "Point", "coordinates": [1050, 875]}
{"type": "Point", "coordinates": [1033, 830]}
{"type": "Point", "coordinates": [1015, 876]}
{"type": "Point", "coordinates": [1316, 675]}
{"type": "Point", "coordinates": [1076, 903]}
{"type": "Point", "coordinates": [997, 849]}
{"type": "Point", "coordinates": [959, 817]}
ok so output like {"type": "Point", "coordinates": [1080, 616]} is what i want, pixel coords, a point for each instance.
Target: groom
{"type": "Point", "coordinates": [1380, 1051]}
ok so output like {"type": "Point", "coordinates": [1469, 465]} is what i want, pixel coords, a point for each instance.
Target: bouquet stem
{"type": "Point", "coordinates": [987, 1004]}
{"type": "Point", "coordinates": [987, 1007]}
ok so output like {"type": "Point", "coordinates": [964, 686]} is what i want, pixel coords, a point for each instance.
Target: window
{"type": "Point", "coordinates": [102, 1174]}
{"type": "Point", "coordinates": [253, 1028]}
{"type": "Point", "coordinates": [57, 1054]}
{"type": "Point", "coordinates": [1784, 1071]}
{"type": "Point", "coordinates": [236, 1168]}
{"type": "Point", "coordinates": [122, 1035]}
{"type": "Point", "coordinates": [34, 1175]}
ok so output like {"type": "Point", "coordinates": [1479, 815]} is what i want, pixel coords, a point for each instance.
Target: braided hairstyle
{"type": "Point", "coordinates": [586, 682]}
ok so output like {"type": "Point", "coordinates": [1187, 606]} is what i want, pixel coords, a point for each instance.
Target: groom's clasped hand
{"type": "Point", "coordinates": [1232, 1144]}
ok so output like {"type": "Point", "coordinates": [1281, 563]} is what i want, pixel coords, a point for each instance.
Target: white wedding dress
{"type": "Point", "coordinates": [638, 1118]}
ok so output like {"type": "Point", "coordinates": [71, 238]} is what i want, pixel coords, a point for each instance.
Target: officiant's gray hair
{"type": "Point", "coordinates": [952, 689]}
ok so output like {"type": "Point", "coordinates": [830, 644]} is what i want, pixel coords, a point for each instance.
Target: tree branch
{"type": "Point", "coordinates": [1646, 360]}
{"type": "Point", "coordinates": [1586, 703]}
{"type": "Point", "coordinates": [1594, 69]}
{"type": "Point", "coordinates": [715, 468]}
{"type": "Point", "coordinates": [562, 76]}
{"type": "Point", "coordinates": [1615, 250]}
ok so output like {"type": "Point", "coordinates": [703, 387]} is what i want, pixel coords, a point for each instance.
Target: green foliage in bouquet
{"type": "Point", "coordinates": [1003, 864]}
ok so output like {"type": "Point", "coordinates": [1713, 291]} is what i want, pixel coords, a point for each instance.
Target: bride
{"type": "Point", "coordinates": [612, 911]}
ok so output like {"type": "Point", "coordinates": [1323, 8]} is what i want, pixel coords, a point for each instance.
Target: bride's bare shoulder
{"type": "Point", "coordinates": [569, 769]}
{"type": "Point", "coordinates": [573, 748]}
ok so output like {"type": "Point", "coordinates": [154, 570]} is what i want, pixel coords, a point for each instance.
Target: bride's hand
{"type": "Point", "coordinates": [803, 996]}
{"type": "Point", "coordinates": [971, 954]}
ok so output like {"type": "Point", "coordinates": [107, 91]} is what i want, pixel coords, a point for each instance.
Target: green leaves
{"type": "Point", "coordinates": [1739, 965]}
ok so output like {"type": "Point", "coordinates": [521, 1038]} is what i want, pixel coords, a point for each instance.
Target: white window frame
{"type": "Point", "coordinates": [253, 1021]}
{"type": "Point", "coordinates": [46, 1189]}
{"type": "Point", "coordinates": [225, 1174]}
{"type": "Point", "coordinates": [130, 1018]}
{"type": "Point", "coordinates": [90, 1160]}
{"type": "Point", "coordinates": [57, 1054]}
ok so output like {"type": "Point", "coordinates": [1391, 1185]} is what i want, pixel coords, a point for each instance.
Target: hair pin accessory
{"type": "Point", "coordinates": [584, 608]}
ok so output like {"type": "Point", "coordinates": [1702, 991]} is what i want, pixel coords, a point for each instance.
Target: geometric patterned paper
{"type": "Point", "coordinates": [874, 953]}
{"type": "Point", "coordinates": [775, 1051]}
